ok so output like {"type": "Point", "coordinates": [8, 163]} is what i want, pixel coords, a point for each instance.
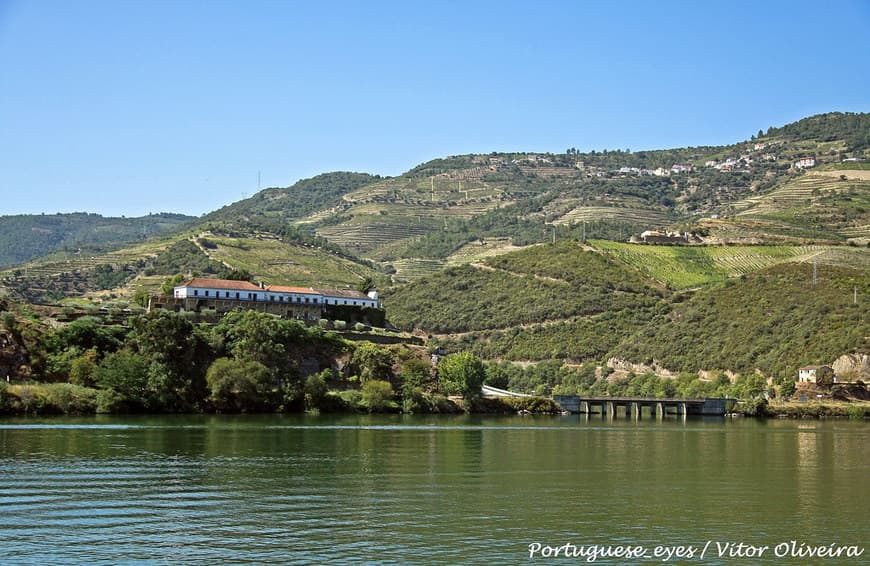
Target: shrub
{"type": "Point", "coordinates": [69, 399]}
{"type": "Point", "coordinates": [5, 399]}
{"type": "Point", "coordinates": [315, 391]}
{"type": "Point", "coordinates": [377, 395]}
{"type": "Point", "coordinates": [352, 397]}
{"type": "Point", "coordinates": [110, 401]}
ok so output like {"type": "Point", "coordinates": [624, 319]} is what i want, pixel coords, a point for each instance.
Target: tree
{"type": "Point", "coordinates": [178, 357]}
{"type": "Point", "coordinates": [316, 389]}
{"type": "Point", "coordinates": [365, 285]}
{"type": "Point", "coordinates": [83, 369]}
{"type": "Point", "coordinates": [462, 374]}
{"type": "Point", "coordinates": [376, 394]}
{"type": "Point", "coordinates": [125, 373]}
{"type": "Point", "coordinates": [238, 385]}
{"type": "Point", "coordinates": [372, 362]}
{"type": "Point", "coordinates": [168, 286]}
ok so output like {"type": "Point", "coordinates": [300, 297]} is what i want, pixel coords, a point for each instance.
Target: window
{"type": "Point", "coordinates": [227, 295]}
{"type": "Point", "coordinates": [196, 292]}
{"type": "Point", "coordinates": [237, 296]}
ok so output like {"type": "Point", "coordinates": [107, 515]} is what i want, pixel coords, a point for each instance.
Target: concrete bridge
{"type": "Point", "coordinates": [633, 407]}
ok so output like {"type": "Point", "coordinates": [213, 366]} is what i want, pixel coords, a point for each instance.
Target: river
{"type": "Point", "coordinates": [431, 489]}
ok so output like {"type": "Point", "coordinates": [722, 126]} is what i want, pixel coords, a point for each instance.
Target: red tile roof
{"type": "Point", "coordinates": [227, 284]}
{"type": "Point", "coordinates": [285, 289]}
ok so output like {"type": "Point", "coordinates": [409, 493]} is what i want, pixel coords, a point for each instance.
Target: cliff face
{"type": "Point", "coordinates": [14, 363]}
{"type": "Point", "coordinates": [853, 366]}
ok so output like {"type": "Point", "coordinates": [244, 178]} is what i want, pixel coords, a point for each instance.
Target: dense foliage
{"type": "Point", "coordinates": [774, 320]}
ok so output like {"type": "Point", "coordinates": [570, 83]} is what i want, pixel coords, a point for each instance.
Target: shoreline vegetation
{"type": "Point", "coordinates": [65, 399]}
{"type": "Point", "coordinates": [253, 362]}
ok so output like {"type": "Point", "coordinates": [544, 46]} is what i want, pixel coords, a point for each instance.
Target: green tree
{"type": "Point", "coordinates": [125, 373]}
{"type": "Point", "coordinates": [238, 385]}
{"type": "Point", "coordinates": [178, 356]}
{"type": "Point", "coordinates": [169, 284]}
{"type": "Point", "coordinates": [83, 370]}
{"type": "Point", "coordinates": [377, 394]}
{"type": "Point", "coordinates": [372, 362]}
{"type": "Point", "coordinates": [316, 389]}
{"type": "Point", "coordinates": [415, 372]}
{"type": "Point", "coordinates": [462, 374]}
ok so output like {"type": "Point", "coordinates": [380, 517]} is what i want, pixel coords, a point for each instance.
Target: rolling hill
{"type": "Point", "coordinates": [28, 236]}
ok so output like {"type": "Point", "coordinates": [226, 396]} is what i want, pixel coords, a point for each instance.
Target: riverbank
{"type": "Point", "coordinates": [819, 409]}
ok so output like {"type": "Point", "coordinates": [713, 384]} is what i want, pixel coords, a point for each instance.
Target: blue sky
{"type": "Point", "coordinates": [136, 107]}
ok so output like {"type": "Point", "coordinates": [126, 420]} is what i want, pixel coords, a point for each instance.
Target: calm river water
{"type": "Point", "coordinates": [414, 489]}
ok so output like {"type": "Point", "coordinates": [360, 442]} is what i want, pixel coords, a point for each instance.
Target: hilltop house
{"type": "Point", "coordinates": [816, 374]}
{"type": "Point", "coordinates": [222, 295]}
{"type": "Point", "coordinates": [805, 162]}
{"type": "Point", "coordinates": [661, 237]}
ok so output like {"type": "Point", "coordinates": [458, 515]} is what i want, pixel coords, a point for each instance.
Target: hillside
{"type": "Point", "coordinates": [273, 208]}
{"type": "Point", "coordinates": [536, 286]}
{"type": "Point", "coordinates": [566, 302]}
{"type": "Point", "coordinates": [774, 321]}
{"type": "Point", "coordinates": [752, 189]}
{"type": "Point", "coordinates": [28, 236]}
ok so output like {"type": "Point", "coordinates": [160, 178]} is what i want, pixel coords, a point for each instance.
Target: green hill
{"type": "Point", "coordinates": [532, 286]}
{"type": "Point", "coordinates": [774, 321]}
{"type": "Point", "coordinates": [28, 236]}
{"type": "Point", "coordinates": [565, 302]}
{"type": "Point", "coordinates": [273, 208]}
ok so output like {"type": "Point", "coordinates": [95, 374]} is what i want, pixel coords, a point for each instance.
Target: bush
{"type": "Point", "coordinates": [70, 399]}
{"type": "Point", "coordinates": [5, 399]}
{"type": "Point", "coordinates": [377, 395]}
{"type": "Point", "coordinates": [315, 391]}
{"type": "Point", "coordinates": [858, 412]}
{"type": "Point", "coordinates": [756, 407]}
{"type": "Point", "coordinates": [110, 401]}
{"type": "Point", "coordinates": [352, 397]}
{"type": "Point", "coordinates": [334, 403]}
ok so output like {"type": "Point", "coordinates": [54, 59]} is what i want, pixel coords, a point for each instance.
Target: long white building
{"type": "Point", "coordinates": [229, 290]}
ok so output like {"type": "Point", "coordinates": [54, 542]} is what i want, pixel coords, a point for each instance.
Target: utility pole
{"type": "Point", "coordinates": [815, 273]}
{"type": "Point", "coordinates": [855, 295]}
{"type": "Point", "coordinates": [584, 231]}
{"type": "Point", "coordinates": [433, 188]}
{"type": "Point", "coordinates": [554, 234]}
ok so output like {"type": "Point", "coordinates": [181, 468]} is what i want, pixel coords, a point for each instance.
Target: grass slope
{"type": "Point", "coordinates": [681, 267]}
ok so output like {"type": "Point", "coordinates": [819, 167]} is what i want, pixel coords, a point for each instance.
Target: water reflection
{"type": "Point", "coordinates": [415, 489]}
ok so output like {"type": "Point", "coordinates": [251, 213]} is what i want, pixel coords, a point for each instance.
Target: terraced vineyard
{"type": "Point", "coordinates": [279, 263]}
{"type": "Point", "coordinates": [363, 237]}
{"type": "Point", "coordinates": [640, 216]}
{"type": "Point", "coordinates": [688, 266]}
{"type": "Point", "coordinates": [482, 249]}
{"type": "Point", "coordinates": [62, 274]}
{"type": "Point", "coordinates": [411, 269]}
{"type": "Point", "coordinates": [831, 205]}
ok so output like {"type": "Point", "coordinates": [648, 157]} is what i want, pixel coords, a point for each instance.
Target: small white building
{"type": "Point", "coordinates": [805, 162]}
{"type": "Point", "coordinates": [815, 374]}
